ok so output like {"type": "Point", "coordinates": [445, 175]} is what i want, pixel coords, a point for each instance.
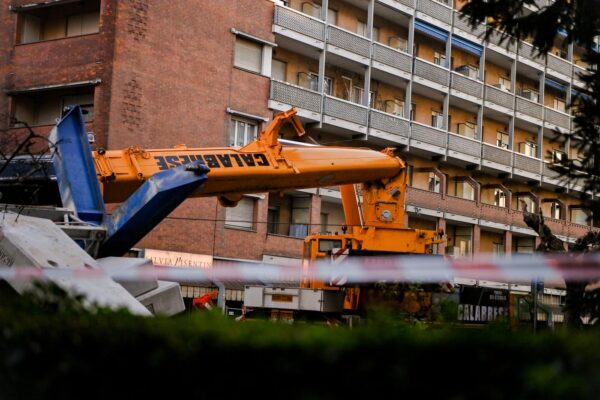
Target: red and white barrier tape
{"type": "Point", "coordinates": [518, 268]}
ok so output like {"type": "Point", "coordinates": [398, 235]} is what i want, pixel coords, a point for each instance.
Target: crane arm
{"type": "Point", "coordinates": [261, 166]}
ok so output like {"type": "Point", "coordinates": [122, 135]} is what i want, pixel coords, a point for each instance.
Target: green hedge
{"type": "Point", "coordinates": [65, 352]}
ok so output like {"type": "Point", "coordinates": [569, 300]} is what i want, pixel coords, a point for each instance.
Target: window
{"type": "Point", "coordinates": [502, 139]}
{"type": "Point", "coordinates": [413, 110]}
{"type": "Point", "coordinates": [278, 70]}
{"type": "Point", "coordinates": [439, 59]}
{"type": "Point", "coordinates": [437, 119]}
{"type": "Point", "coordinates": [44, 107]}
{"type": "Point", "coordinates": [555, 210]}
{"type": "Point", "coordinates": [395, 106]}
{"type": "Point", "coordinates": [504, 83]}
{"type": "Point", "coordinates": [499, 198]}
{"type": "Point", "coordinates": [314, 10]}
{"type": "Point", "coordinates": [300, 217]}
{"type": "Point", "coordinates": [82, 24]}
{"type": "Point", "coordinates": [248, 54]}
{"type": "Point", "coordinates": [242, 215]}
{"type": "Point", "coordinates": [526, 204]}
{"type": "Point", "coordinates": [578, 216]}
{"type": "Point", "coordinates": [398, 43]}
{"type": "Point", "coordinates": [524, 245]}
{"type": "Point", "coordinates": [558, 156]}
{"type": "Point", "coordinates": [273, 220]}
{"type": "Point", "coordinates": [85, 101]}
{"type": "Point", "coordinates": [528, 148]}
{"type": "Point", "coordinates": [357, 94]}
{"type": "Point", "coordinates": [434, 183]}
{"type": "Point", "coordinates": [324, 222]}
{"type": "Point", "coordinates": [242, 132]}
{"type": "Point", "coordinates": [361, 28]}
{"type": "Point", "coordinates": [59, 21]}
{"type": "Point", "coordinates": [310, 81]}
{"type": "Point", "coordinates": [464, 190]}
{"type": "Point", "coordinates": [559, 104]}
{"type": "Point", "coordinates": [467, 129]}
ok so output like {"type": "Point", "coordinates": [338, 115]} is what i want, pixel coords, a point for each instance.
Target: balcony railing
{"type": "Point", "coordinates": [528, 51]}
{"type": "Point", "coordinates": [500, 97]}
{"type": "Point", "coordinates": [497, 154]}
{"type": "Point", "coordinates": [528, 164]}
{"type": "Point", "coordinates": [467, 85]}
{"type": "Point", "coordinates": [432, 72]}
{"type": "Point", "coordinates": [559, 65]}
{"type": "Point", "coordinates": [392, 57]}
{"type": "Point", "coordinates": [455, 205]}
{"type": "Point", "coordinates": [464, 145]}
{"type": "Point", "coordinates": [496, 37]}
{"type": "Point", "coordinates": [389, 123]}
{"type": "Point", "coordinates": [461, 22]}
{"type": "Point", "coordinates": [299, 22]}
{"type": "Point", "coordinates": [435, 10]}
{"type": "Point", "coordinates": [295, 96]}
{"type": "Point", "coordinates": [557, 118]}
{"type": "Point", "coordinates": [346, 110]}
{"type": "Point", "coordinates": [529, 108]}
{"type": "Point", "coordinates": [547, 171]}
{"type": "Point", "coordinates": [428, 134]}
{"type": "Point", "coordinates": [349, 41]}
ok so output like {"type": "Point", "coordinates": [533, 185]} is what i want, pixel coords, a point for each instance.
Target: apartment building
{"type": "Point", "coordinates": [474, 120]}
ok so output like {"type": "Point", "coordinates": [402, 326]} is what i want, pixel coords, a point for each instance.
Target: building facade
{"type": "Point", "coordinates": [474, 120]}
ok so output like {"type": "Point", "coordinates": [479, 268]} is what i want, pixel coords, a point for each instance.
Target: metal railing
{"type": "Point", "coordinates": [299, 22]}
{"type": "Point", "coordinates": [349, 41]}
{"type": "Point", "coordinates": [500, 97]}
{"type": "Point", "coordinates": [428, 134]}
{"type": "Point", "coordinates": [529, 108]}
{"type": "Point", "coordinates": [464, 145]}
{"type": "Point", "coordinates": [527, 163]}
{"type": "Point", "coordinates": [557, 118]}
{"type": "Point", "coordinates": [295, 96]}
{"type": "Point", "coordinates": [435, 10]}
{"type": "Point", "coordinates": [559, 65]}
{"type": "Point", "coordinates": [389, 123]}
{"type": "Point", "coordinates": [392, 57]}
{"type": "Point", "coordinates": [345, 110]}
{"type": "Point", "coordinates": [467, 85]}
{"type": "Point", "coordinates": [432, 72]}
{"type": "Point", "coordinates": [497, 154]}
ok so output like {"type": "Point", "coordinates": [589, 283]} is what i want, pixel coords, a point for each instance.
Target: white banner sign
{"type": "Point", "coordinates": [176, 259]}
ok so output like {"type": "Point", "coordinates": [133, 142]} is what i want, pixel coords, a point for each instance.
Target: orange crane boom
{"type": "Point", "coordinates": [261, 166]}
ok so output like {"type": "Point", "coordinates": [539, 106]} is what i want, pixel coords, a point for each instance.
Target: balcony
{"type": "Point", "coordinates": [462, 23]}
{"type": "Point", "coordinates": [499, 97]}
{"type": "Point", "coordinates": [345, 114]}
{"type": "Point", "coordinates": [455, 208]}
{"type": "Point", "coordinates": [528, 53]}
{"type": "Point", "coordinates": [384, 56]}
{"type": "Point", "coordinates": [527, 166]}
{"type": "Point", "coordinates": [559, 65]}
{"type": "Point", "coordinates": [436, 10]}
{"type": "Point", "coordinates": [557, 118]}
{"type": "Point", "coordinates": [497, 157]}
{"type": "Point", "coordinates": [423, 136]}
{"type": "Point", "coordinates": [467, 86]}
{"type": "Point", "coordinates": [288, 95]}
{"type": "Point", "coordinates": [458, 145]}
{"type": "Point", "coordinates": [348, 44]}
{"type": "Point", "coordinates": [426, 71]}
{"type": "Point", "coordinates": [529, 109]}
{"type": "Point", "coordinates": [388, 126]}
{"type": "Point", "coordinates": [299, 26]}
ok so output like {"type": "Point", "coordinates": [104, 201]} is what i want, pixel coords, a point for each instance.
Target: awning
{"type": "Point", "coordinates": [431, 30]}
{"type": "Point", "coordinates": [467, 45]}
{"type": "Point", "coordinates": [556, 85]}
